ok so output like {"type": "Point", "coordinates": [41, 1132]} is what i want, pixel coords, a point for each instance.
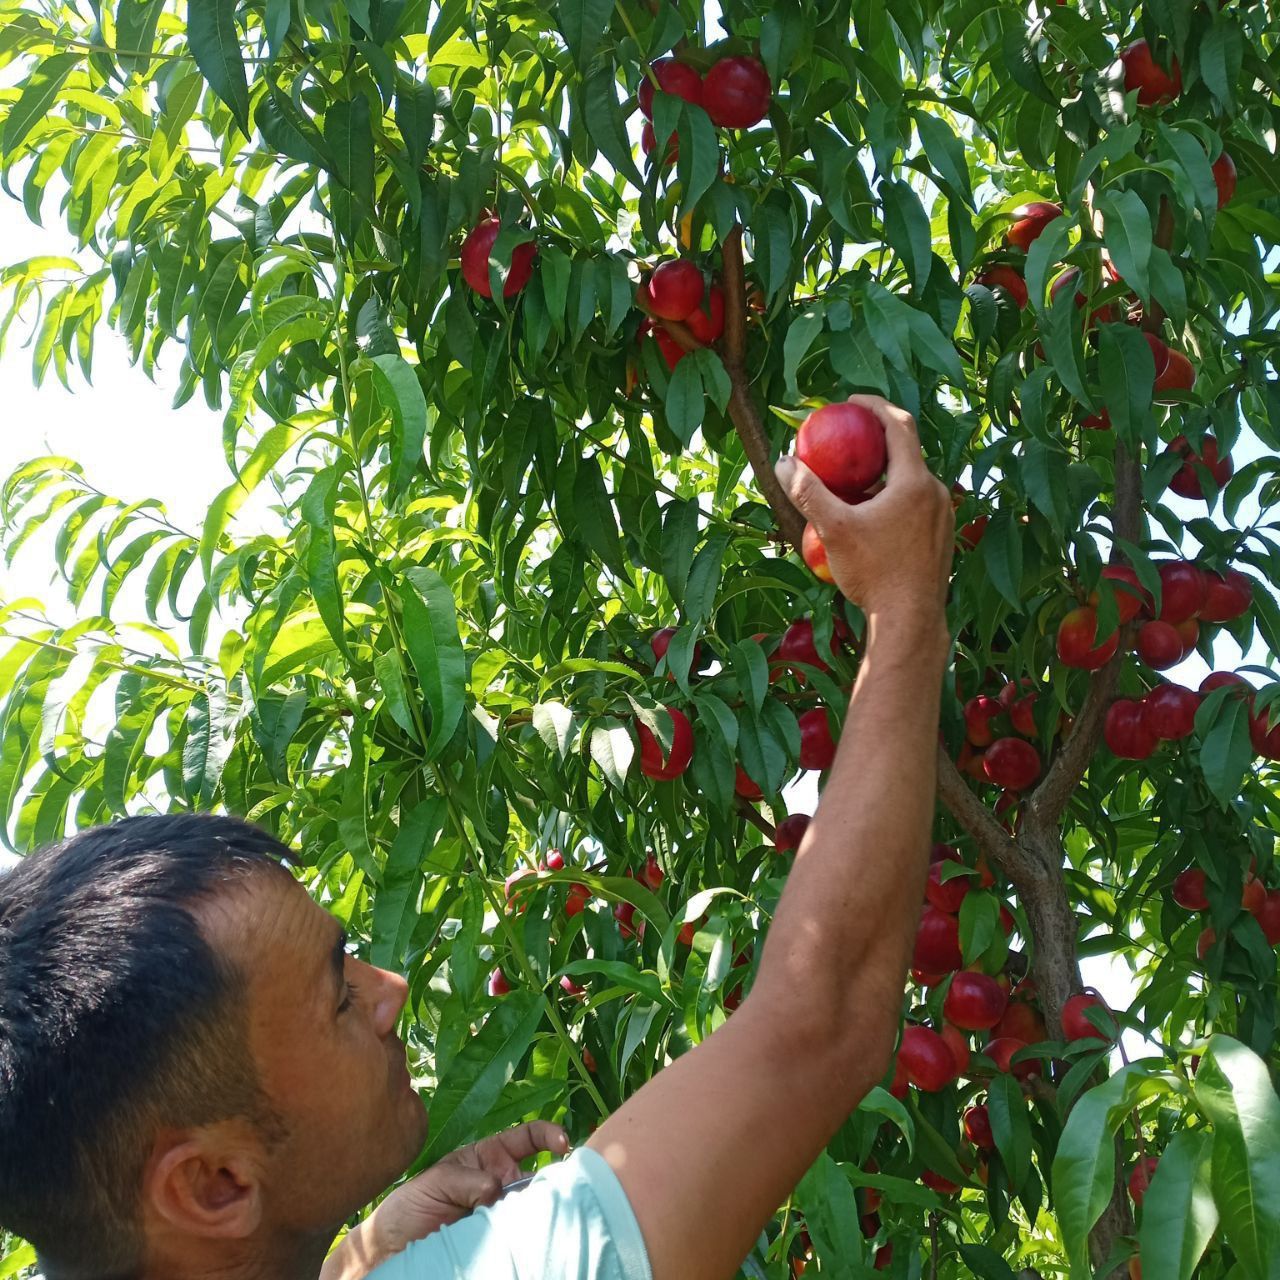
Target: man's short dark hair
{"type": "Point", "coordinates": [116, 1018]}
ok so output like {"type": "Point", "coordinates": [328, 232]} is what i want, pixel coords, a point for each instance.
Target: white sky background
{"type": "Point", "coordinates": [133, 444]}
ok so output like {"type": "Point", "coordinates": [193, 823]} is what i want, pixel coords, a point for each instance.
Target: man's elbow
{"type": "Point", "coordinates": [852, 1040]}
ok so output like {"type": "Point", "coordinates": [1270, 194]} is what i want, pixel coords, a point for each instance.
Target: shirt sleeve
{"type": "Point", "coordinates": [573, 1222]}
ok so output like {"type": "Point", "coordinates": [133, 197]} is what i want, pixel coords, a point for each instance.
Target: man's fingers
{"type": "Point", "coordinates": [470, 1188]}
{"type": "Point", "coordinates": [523, 1141]}
{"type": "Point", "coordinates": [812, 498]}
{"type": "Point", "coordinates": [901, 437]}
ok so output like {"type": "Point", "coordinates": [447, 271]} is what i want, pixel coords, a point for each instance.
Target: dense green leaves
{"type": "Point", "coordinates": [414, 634]}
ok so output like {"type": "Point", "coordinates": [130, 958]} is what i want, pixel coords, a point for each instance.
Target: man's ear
{"type": "Point", "coordinates": [207, 1183]}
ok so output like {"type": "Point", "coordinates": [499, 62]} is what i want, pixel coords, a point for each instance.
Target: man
{"type": "Point", "coordinates": [197, 1080]}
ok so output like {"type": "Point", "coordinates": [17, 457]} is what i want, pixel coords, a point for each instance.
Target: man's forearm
{"type": "Point", "coordinates": [841, 938]}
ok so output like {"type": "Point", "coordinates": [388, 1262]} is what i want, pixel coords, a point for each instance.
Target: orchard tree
{"type": "Point", "coordinates": [514, 306]}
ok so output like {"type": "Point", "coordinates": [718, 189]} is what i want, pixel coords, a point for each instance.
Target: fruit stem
{"type": "Point", "coordinates": [631, 31]}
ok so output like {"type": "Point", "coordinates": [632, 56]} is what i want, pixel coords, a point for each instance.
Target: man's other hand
{"type": "Point", "coordinates": [468, 1179]}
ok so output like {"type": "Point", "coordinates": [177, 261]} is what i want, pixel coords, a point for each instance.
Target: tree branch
{"type": "Point", "coordinates": [976, 819]}
{"type": "Point", "coordinates": [1049, 800]}
{"type": "Point", "coordinates": [742, 410]}
{"type": "Point", "coordinates": [748, 811]}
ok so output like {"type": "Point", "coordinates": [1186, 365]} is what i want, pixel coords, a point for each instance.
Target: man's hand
{"type": "Point", "coordinates": [894, 550]}
{"type": "Point", "coordinates": [468, 1179]}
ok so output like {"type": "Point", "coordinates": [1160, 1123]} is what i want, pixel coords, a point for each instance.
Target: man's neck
{"type": "Point", "coordinates": [293, 1259]}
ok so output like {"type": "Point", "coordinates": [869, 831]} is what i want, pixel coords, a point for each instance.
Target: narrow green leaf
{"type": "Point", "coordinates": [401, 394]}
{"type": "Point", "coordinates": [906, 227]}
{"type": "Point", "coordinates": [1127, 370]}
{"type": "Point", "coordinates": [554, 724]}
{"type": "Point", "coordinates": [476, 1077]}
{"type": "Point", "coordinates": [603, 120]}
{"type": "Point", "coordinates": [36, 98]}
{"type": "Point", "coordinates": [1226, 751]}
{"type": "Point", "coordinates": [1009, 1125]}
{"type": "Point", "coordinates": [686, 401]}
{"type": "Point", "coordinates": [267, 452]}
{"type": "Point", "coordinates": [584, 24]}
{"type": "Point", "coordinates": [322, 554]}
{"type": "Point", "coordinates": [801, 333]}
{"type": "Point", "coordinates": [395, 902]}
{"type": "Point", "coordinates": [435, 649]}
{"type": "Point", "coordinates": [215, 45]}
{"type": "Point", "coordinates": [1128, 237]}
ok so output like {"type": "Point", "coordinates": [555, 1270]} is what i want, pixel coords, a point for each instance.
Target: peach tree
{"type": "Point", "coordinates": [511, 308]}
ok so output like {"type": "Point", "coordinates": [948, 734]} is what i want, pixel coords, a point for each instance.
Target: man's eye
{"type": "Point", "coordinates": [347, 998]}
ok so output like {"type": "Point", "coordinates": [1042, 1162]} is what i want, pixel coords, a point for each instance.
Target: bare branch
{"type": "Point", "coordinates": [742, 409]}
{"type": "Point", "coordinates": [748, 811]}
{"type": "Point", "coordinates": [974, 816]}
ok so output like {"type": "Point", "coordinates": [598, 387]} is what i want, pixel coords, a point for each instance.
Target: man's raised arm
{"type": "Point", "coordinates": [710, 1147]}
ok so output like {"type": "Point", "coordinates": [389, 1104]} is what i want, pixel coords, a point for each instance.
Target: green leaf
{"type": "Point", "coordinates": [603, 120]}
{"type": "Point", "coordinates": [1084, 1166]}
{"type": "Point", "coordinates": [475, 1079]}
{"type": "Point", "coordinates": [931, 347]}
{"type": "Point", "coordinates": [800, 337]}
{"type": "Point", "coordinates": [597, 525]}
{"type": "Point", "coordinates": [348, 135]}
{"type": "Point", "coordinates": [1044, 474]}
{"type": "Point", "coordinates": [136, 32]}
{"type": "Point", "coordinates": [1179, 1217]}
{"type": "Point", "coordinates": [1127, 370]}
{"type": "Point", "coordinates": [1009, 1125]}
{"type": "Point", "coordinates": [945, 154]}
{"type": "Point", "coordinates": [554, 724]}
{"type": "Point", "coordinates": [985, 1263]}
{"type": "Point", "coordinates": [979, 921]}
{"type": "Point", "coordinates": [679, 538]}
{"type": "Point", "coordinates": [686, 401]}
{"type": "Point", "coordinates": [831, 1218]}
{"type": "Point", "coordinates": [401, 395]}
{"type": "Point", "coordinates": [1045, 253]}
{"type": "Point", "coordinates": [415, 117]}
{"type": "Point", "coordinates": [906, 227]}
{"type": "Point", "coordinates": [286, 128]}
{"type": "Point", "coordinates": [390, 676]}
{"type": "Point", "coordinates": [698, 158]}
{"type": "Point", "coordinates": [1128, 237]}
{"type": "Point", "coordinates": [704, 578]}
{"type": "Point", "coordinates": [268, 451]}
{"type": "Point", "coordinates": [395, 902]}
{"type": "Point", "coordinates": [36, 98]}
{"type": "Point", "coordinates": [1221, 59]}
{"type": "Point", "coordinates": [1226, 750]}
{"type": "Point", "coordinates": [1233, 1087]}
{"type": "Point", "coordinates": [215, 45]}
{"type": "Point", "coordinates": [1002, 554]}
{"type": "Point", "coordinates": [584, 24]}
{"type": "Point", "coordinates": [613, 749]}
{"type": "Point", "coordinates": [435, 649]}
{"type": "Point", "coordinates": [322, 554]}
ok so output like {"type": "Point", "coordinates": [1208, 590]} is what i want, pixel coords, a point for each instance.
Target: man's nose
{"type": "Point", "coordinates": [393, 995]}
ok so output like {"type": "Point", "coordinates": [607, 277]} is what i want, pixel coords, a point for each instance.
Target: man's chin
{"type": "Point", "coordinates": [419, 1127]}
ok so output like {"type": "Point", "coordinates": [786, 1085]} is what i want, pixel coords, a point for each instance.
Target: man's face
{"type": "Point", "coordinates": [322, 1028]}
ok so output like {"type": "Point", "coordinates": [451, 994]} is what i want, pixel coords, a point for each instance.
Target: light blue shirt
{"type": "Point", "coordinates": [572, 1222]}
